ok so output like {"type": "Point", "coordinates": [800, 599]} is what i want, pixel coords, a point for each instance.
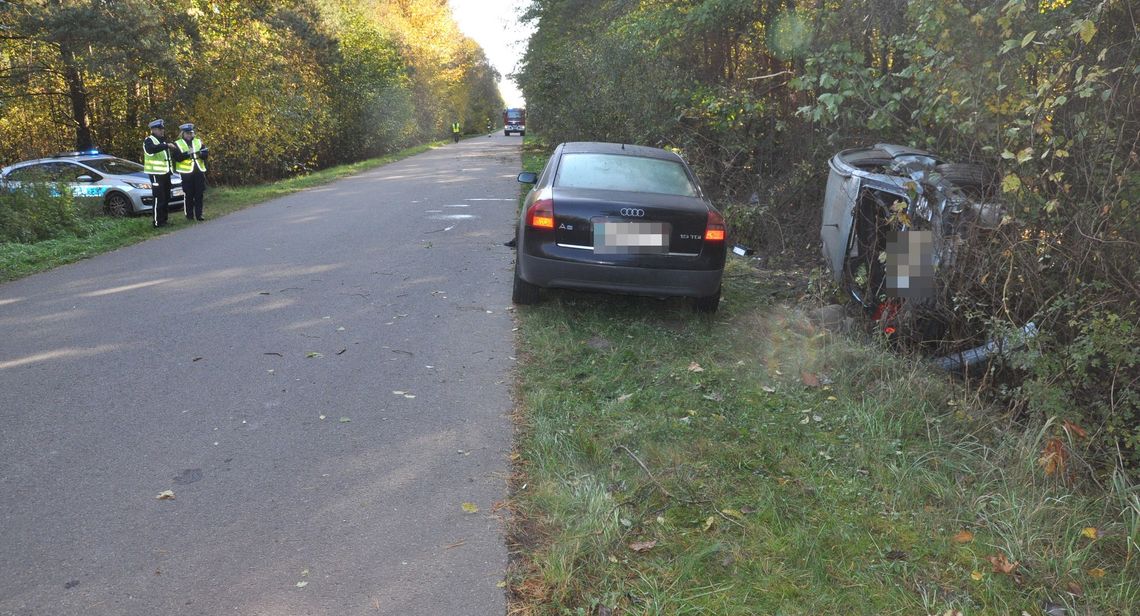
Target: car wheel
{"type": "Point", "coordinates": [975, 180]}
{"type": "Point", "coordinates": [506, 133]}
{"type": "Point", "coordinates": [522, 133]}
{"type": "Point", "coordinates": [524, 292]}
{"type": "Point", "coordinates": [707, 304]}
{"type": "Point", "coordinates": [117, 204]}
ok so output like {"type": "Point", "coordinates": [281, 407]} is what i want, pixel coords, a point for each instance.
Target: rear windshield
{"type": "Point", "coordinates": [628, 173]}
{"type": "Point", "coordinates": [114, 166]}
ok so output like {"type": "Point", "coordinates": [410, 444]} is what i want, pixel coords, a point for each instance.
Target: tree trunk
{"type": "Point", "coordinates": [77, 93]}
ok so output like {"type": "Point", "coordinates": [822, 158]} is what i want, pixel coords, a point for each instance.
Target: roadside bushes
{"type": "Point", "coordinates": [38, 212]}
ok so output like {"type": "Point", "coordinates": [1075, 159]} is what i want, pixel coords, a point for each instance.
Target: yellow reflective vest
{"type": "Point", "coordinates": [455, 127]}
{"type": "Point", "coordinates": [157, 163]}
{"type": "Point", "coordinates": [186, 166]}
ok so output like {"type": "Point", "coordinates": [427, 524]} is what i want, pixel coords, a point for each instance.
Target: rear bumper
{"type": "Point", "coordinates": [619, 279]}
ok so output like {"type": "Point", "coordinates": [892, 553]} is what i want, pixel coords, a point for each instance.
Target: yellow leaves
{"type": "Point", "coordinates": [1010, 183]}
{"type": "Point", "coordinates": [710, 522]}
{"type": "Point", "coordinates": [977, 576]}
{"type": "Point", "coordinates": [1090, 532]}
{"type": "Point", "coordinates": [733, 513]}
{"type": "Point", "coordinates": [1096, 573]}
{"type": "Point", "coordinates": [470, 508]}
{"type": "Point", "coordinates": [963, 536]}
{"type": "Point", "coordinates": [1086, 29]}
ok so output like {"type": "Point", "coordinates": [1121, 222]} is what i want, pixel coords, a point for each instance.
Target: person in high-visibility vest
{"type": "Point", "coordinates": [191, 165]}
{"type": "Point", "coordinates": [455, 131]}
{"type": "Point", "coordinates": [158, 164]}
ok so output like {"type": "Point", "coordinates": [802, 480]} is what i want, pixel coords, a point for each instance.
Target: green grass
{"type": "Point", "coordinates": [768, 496]}
{"type": "Point", "coordinates": [100, 234]}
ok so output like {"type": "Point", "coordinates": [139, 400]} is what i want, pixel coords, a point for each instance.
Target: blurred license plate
{"type": "Point", "coordinates": [631, 237]}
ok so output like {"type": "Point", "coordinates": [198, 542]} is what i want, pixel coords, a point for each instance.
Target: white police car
{"type": "Point", "coordinates": [116, 185]}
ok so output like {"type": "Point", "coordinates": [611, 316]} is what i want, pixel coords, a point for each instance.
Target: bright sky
{"type": "Point", "coordinates": [496, 26]}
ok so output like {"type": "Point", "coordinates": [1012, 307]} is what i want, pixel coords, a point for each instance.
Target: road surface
{"type": "Point", "coordinates": [322, 381]}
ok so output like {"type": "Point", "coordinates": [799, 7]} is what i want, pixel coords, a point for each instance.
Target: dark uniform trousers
{"type": "Point", "coordinates": [194, 187]}
{"type": "Point", "coordinates": [160, 190]}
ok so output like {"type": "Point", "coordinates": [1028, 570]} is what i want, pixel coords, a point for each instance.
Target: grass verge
{"type": "Point", "coordinates": [752, 463]}
{"type": "Point", "coordinates": [100, 234]}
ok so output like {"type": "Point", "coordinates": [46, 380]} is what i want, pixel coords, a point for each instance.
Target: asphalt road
{"type": "Point", "coordinates": [323, 381]}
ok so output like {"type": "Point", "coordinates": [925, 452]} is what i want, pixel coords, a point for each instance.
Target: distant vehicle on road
{"type": "Point", "coordinates": [119, 187]}
{"type": "Point", "coordinates": [514, 121]}
{"type": "Point", "coordinates": [620, 219]}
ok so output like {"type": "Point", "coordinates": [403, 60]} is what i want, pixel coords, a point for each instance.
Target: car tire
{"type": "Point", "coordinates": [523, 293]}
{"type": "Point", "coordinates": [977, 181]}
{"type": "Point", "coordinates": [708, 304]}
{"type": "Point", "coordinates": [506, 133]}
{"type": "Point", "coordinates": [118, 205]}
{"type": "Point", "coordinates": [522, 133]}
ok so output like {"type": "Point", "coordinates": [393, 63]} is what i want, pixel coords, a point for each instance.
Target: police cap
{"type": "Point", "coordinates": [187, 127]}
{"type": "Point", "coordinates": [157, 124]}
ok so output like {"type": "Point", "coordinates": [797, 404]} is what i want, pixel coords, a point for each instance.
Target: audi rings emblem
{"type": "Point", "coordinates": [633, 212]}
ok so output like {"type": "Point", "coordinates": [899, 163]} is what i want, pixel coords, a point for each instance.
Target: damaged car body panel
{"type": "Point", "coordinates": [876, 196]}
{"type": "Point", "coordinates": [895, 223]}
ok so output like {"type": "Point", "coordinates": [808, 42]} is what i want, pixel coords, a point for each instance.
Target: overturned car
{"type": "Point", "coordinates": [895, 221]}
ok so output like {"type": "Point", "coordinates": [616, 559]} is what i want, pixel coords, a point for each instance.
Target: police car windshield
{"type": "Point", "coordinates": [114, 166]}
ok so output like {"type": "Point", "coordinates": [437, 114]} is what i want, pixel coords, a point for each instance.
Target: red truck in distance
{"type": "Point", "coordinates": [514, 121]}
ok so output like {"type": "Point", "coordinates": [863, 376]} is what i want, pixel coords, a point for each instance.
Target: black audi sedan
{"type": "Point", "coordinates": [619, 218]}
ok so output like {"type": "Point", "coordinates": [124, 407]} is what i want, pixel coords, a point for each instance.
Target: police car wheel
{"type": "Point", "coordinates": [117, 204]}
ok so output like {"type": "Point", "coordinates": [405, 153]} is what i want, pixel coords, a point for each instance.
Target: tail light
{"type": "Point", "coordinates": [714, 230]}
{"type": "Point", "coordinates": [540, 214]}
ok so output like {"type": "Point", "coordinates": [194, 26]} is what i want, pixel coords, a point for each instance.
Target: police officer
{"type": "Point", "coordinates": [158, 163]}
{"type": "Point", "coordinates": [191, 164]}
{"type": "Point", "coordinates": [455, 131]}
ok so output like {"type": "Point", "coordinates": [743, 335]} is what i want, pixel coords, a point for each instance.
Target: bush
{"type": "Point", "coordinates": [37, 212]}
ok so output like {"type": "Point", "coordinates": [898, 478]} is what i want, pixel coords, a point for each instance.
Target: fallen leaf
{"type": "Point", "coordinates": [1090, 532]}
{"type": "Point", "coordinates": [1053, 457]}
{"type": "Point", "coordinates": [977, 576]}
{"type": "Point", "coordinates": [695, 367]}
{"type": "Point", "coordinates": [810, 379]}
{"type": "Point", "coordinates": [710, 522]}
{"type": "Point", "coordinates": [302, 584]}
{"type": "Point", "coordinates": [312, 354]}
{"type": "Point", "coordinates": [733, 513]}
{"type": "Point", "coordinates": [1075, 589]}
{"type": "Point", "coordinates": [501, 584]}
{"type": "Point", "coordinates": [963, 536]}
{"type": "Point", "coordinates": [1097, 573]}
{"type": "Point", "coordinates": [642, 546]}
{"type": "Point", "coordinates": [345, 420]}
{"type": "Point", "coordinates": [1001, 564]}
{"type": "Point", "coordinates": [768, 388]}
{"type": "Point", "coordinates": [1073, 428]}
{"type": "Point", "coordinates": [747, 509]}
{"type": "Point", "coordinates": [470, 508]}
{"type": "Point", "coordinates": [624, 397]}
{"type": "Point", "coordinates": [166, 495]}
{"type": "Point", "coordinates": [398, 393]}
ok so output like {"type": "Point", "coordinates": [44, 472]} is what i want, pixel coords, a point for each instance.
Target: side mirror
{"type": "Point", "coordinates": [528, 177]}
{"type": "Point", "coordinates": [85, 179]}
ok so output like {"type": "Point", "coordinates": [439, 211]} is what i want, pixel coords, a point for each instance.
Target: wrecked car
{"type": "Point", "coordinates": [894, 217]}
